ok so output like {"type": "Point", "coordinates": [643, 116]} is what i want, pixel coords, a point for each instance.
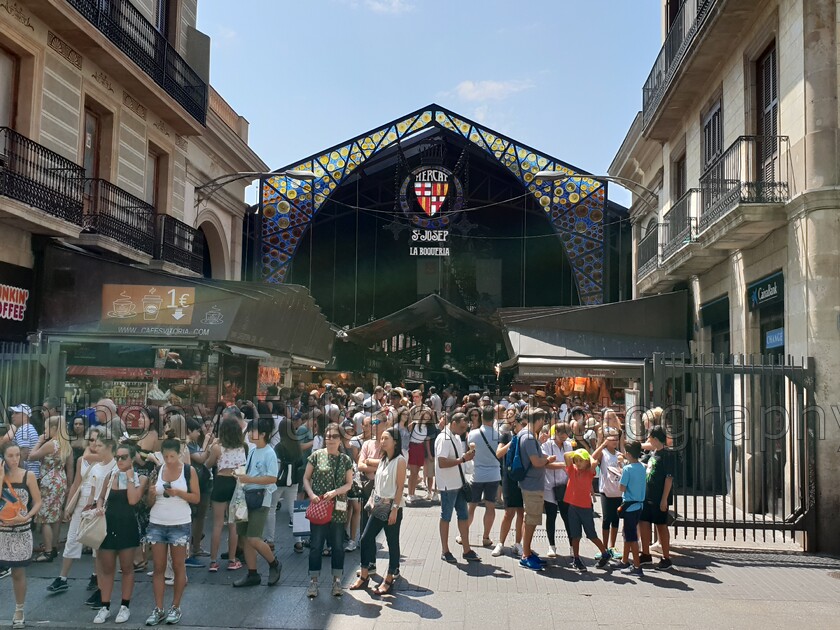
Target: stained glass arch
{"type": "Point", "coordinates": [574, 204]}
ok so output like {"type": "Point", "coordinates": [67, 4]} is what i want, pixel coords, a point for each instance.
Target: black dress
{"type": "Point", "coordinates": [121, 523]}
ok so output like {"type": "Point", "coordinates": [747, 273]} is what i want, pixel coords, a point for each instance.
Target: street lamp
{"type": "Point", "coordinates": [209, 188]}
{"type": "Point", "coordinates": [622, 181]}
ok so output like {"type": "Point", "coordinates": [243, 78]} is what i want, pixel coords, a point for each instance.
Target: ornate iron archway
{"type": "Point", "coordinates": [575, 207]}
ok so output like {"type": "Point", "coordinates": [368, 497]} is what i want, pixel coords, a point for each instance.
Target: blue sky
{"type": "Point", "coordinates": [564, 76]}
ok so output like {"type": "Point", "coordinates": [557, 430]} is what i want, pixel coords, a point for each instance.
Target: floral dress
{"type": "Point", "coordinates": [53, 487]}
{"type": "Point", "coordinates": [16, 540]}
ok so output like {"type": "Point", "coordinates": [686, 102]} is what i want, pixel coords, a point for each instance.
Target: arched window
{"type": "Point", "coordinates": [650, 226]}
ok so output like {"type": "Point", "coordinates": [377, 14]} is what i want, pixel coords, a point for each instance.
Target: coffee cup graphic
{"type": "Point", "coordinates": [151, 306]}
{"type": "Point", "coordinates": [213, 316]}
{"type": "Point", "coordinates": [123, 307]}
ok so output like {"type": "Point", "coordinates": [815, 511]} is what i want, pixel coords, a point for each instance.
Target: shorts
{"type": "Point", "coordinates": [416, 453]}
{"type": "Point", "coordinates": [609, 512]}
{"type": "Point", "coordinates": [581, 520]}
{"type": "Point", "coordinates": [453, 499]}
{"type": "Point", "coordinates": [223, 488]}
{"type": "Point", "coordinates": [175, 535]}
{"type": "Point", "coordinates": [532, 501]}
{"type": "Point", "coordinates": [652, 514]}
{"type": "Point", "coordinates": [513, 495]}
{"type": "Point", "coordinates": [631, 526]}
{"type": "Point", "coordinates": [253, 527]}
{"type": "Point", "coordinates": [486, 489]}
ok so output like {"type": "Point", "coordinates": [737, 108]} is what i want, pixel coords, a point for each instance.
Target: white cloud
{"type": "Point", "coordinates": [389, 6]}
{"type": "Point", "coordinates": [490, 90]}
{"type": "Point", "coordinates": [481, 113]}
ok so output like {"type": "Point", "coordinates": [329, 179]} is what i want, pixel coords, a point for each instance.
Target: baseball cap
{"type": "Point", "coordinates": [88, 414]}
{"type": "Point", "coordinates": [582, 453]}
{"type": "Point", "coordinates": [349, 425]}
{"type": "Point", "coordinates": [21, 408]}
{"type": "Point", "coordinates": [367, 404]}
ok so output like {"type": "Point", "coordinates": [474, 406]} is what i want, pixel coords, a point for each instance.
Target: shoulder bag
{"type": "Point", "coordinates": [92, 527]}
{"type": "Point", "coordinates": [254, 496]}
{"type": "Point", "coordinates": [321, 513]}
{"type": "Point", "coordinates": [10, 506]}
{"type": "Point", "coordinates": [74, 500]}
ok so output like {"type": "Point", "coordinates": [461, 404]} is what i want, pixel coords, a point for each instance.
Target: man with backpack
{"type": "Point", "coordinates": [525, 463]}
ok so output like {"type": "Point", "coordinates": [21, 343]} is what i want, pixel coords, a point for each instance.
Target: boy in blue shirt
{"type": "Point", "coordinates": [633, 479]}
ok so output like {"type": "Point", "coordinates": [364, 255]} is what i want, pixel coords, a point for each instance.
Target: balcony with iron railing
{"type": "Point", "coordinates": [679, 225]}
{"type": "Point", "coordinates": [699, 38]}
{"type": "Point", "coordinates": [179, 244]}
{"type": "Point", "coordinates": [37, 177]}
{"type": "Point", "coordinates": [753, 170]}
{"type": "Point", "coordinates": [647, 253]}
{"type": "Point", "coordinates": [113, 213]}
{"type": "Point", "coordinates": [124, 25]}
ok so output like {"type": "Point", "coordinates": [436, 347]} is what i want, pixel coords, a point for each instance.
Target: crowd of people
{"type": "Point", "coordinates": [150, 477]}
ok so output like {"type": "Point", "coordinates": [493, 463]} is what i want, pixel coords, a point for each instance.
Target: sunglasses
{"type": "Point", "coordinates": [332, 436]}
{"type": "Point", "coordinates": [121, 458]}
{"type": "Point", "coordinates": [375, 422]}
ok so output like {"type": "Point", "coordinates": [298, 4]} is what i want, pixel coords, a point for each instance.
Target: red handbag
{"type": "Point", "coordinates": [320, 513]}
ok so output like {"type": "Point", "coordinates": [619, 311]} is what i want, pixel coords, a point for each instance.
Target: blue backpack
{"type": "Point", "coordinates": [514, 464]}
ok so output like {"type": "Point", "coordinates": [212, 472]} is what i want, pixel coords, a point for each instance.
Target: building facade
{"type": "Point", "coordinates": [107, 126]}
{"type": "Point", "coordinates": [736, 148]}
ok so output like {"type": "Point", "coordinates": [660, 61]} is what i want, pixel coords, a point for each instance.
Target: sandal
{"type": "Point", "coordinates": [19, 620]}
{"type": "Point", "coordinates": [385, 587]}
{"type": "Point", "coordinates": [360, 584]}
{"type": "Point", "coordinates": [487, 543]}
{"type": "Point", "coordinates": [44, 557]}
{"type": "Point", "coordinates": [139, 567]}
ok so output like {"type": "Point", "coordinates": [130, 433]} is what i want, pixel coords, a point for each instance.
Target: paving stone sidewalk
{"type": "Point", "coordinates": [708, 587]}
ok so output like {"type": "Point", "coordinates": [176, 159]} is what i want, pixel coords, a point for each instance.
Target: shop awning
{"type": "Point", "coordinates": [431, 310]}
{"type": "Point", "coordinates": [85, 294]}
{"type": "Point", "coordinates": [249, 352]}
{"type": "Point", "coordinates": [547, 367]}
{"type": "Point", "coordinates": [624, 331]}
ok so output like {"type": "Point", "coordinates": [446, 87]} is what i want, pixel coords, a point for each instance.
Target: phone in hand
{"type": "Point", "coordinates": [166, 486]}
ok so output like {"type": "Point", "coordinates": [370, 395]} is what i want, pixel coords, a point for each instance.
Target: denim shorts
{"type": "Point", "coordinates": [176, 535]}
{"type": "Point", "coordinates": [453, 499]}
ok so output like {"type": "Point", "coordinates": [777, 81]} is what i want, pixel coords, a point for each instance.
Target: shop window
{"type": "Point", "coordinates": [9, 68]}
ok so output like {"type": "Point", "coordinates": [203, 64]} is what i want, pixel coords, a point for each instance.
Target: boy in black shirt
{"type": "Point", "coordinates": [660, 479]}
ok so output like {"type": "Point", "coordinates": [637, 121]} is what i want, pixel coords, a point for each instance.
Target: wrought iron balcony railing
{"type": "Point", "coordinates": [125, 26]}
{"type": "Point", "coordinates": [647, 253]}
{"type": "Point", "coordinates": [180, 244]}
{"type": "Point", "coordinates": [37, 177]}
{"type": "Point", "coordinates": [685, 27]}
{"type": "Point", "coordinates": [754, 169]}
{"type": "Point", "coordinates": [112, 212]}
{"type": "Point", "coordinates": [679, 225]}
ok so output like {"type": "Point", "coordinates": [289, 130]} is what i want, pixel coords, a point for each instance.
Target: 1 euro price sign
{"type": "Point", "coordinates": [147, 305]}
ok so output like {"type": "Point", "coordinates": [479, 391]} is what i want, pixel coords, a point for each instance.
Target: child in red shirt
{"type": "Point", "coordinates": [578, 496]}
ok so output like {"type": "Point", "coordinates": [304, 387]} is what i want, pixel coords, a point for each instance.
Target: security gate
{"type": "Point", "coordinates": [744, 430]}
{"type": "Point", "coordinates": [24, 371]}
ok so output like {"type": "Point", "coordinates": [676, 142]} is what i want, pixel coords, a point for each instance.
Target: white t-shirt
{"type": "Point", "coordinates": [610, 485]}
{"type": "Point", "coordinates": [555, 476]}
{"type": "Point", "coordinates": [98, 475]}
{"type": "Point", "coordinates": [451, 446]}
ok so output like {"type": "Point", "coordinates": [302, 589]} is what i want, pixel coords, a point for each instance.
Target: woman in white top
{"type": "Point", "coordinates": [609, 461]}
{"type": "Point", "coordinates": [556, 481]}
{"type": "Point", "coordinates": [169, 527]}
{"type": "Point", "coordinates": [227, 454]}
{"type": "Point", "coordinates": [385, 507]}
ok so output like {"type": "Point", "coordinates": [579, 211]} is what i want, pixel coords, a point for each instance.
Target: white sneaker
{"type": "Point", "coordinates": [351, 546]}
{"type": "Point", "coordinates": [458, 539]}
{"type": "Point", "coordinates": [552, 552]}
{"type": "Point", "coordinates": [123, 615]}
{"type": "Point", "coordinates": [498, 550]}
{"type": "Point", "coordinates": [169, 581]}
{"type": "Point", "coordinates": [409, 499]}
{"type": "Point", "coordinates": [518, 550]}
{"type": "Point", "coordinates": [102, 615]}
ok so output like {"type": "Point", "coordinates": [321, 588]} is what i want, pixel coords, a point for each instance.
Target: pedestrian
{"type": "Point", "coordinates": [258, 482]}
{"type": "Point", "coordinates": [54, 452]}
{"type": "Point", "coordinates": [23, 501]}
{"type": "Point", "coordinates": [609, 461]}
{"type": "Point", "coordinates": [418, 431]}
{"type": "Point", "coordinates": [106, 449]}
{"type": "Point", "coordinates": [227, 453]}
{"type": "Point", "coordinates": [119, 496]}
{"type": "Point", "coordinates": [328, 477]}
{"type": "Point", "coordinates": [633, 498]}
{"type": "Point", "coordinates": [351, 448]}
{"type": "Point", "coordinates": [660, 480]}
{"type": "Point", "coordinates": [556, 480]}
{"type": "Point", "coordinates": [25, 436]}
{"type": "Point", "coordinates": [385, 510]}
{"type": "Point", "coordinates": [198, 445]}
{"type": "Point", "coordinates": [486, 472]}
{"type": "Point", "coordinates": [533, 485]}
{"type": "Point", "coordinates": [368, 464]}
{"type": "Point", "coordinates": [450, 456]}
{"type": "Point", "coordinates": [169, 528]}
{"type": "Point", "coordinates": [514, 509]}
{"type": "Point", "coordinates": [78, 497]}
{"type": "Point", "coordinates": [579, 498]}
{"type": "Point", "coordinates": [291, 466]}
